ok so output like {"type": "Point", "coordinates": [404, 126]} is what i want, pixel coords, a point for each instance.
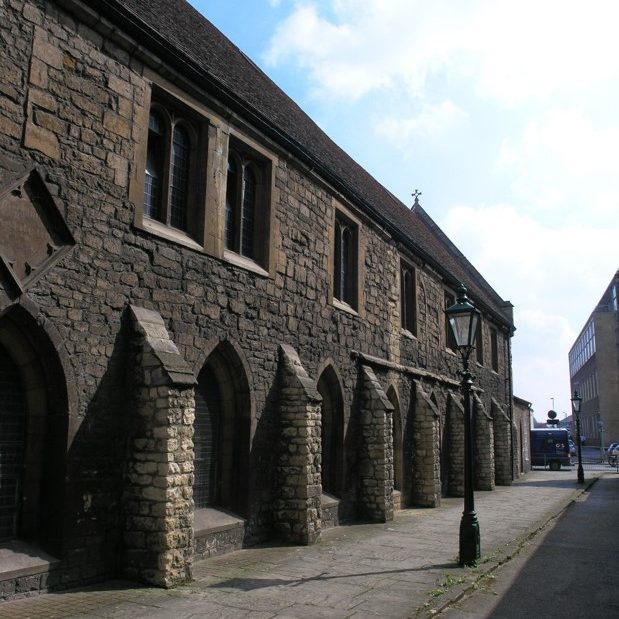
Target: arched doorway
{"type": "Point", "coordinates": [13, 418]}
{"type": "Point", "coordinates": [222, 433]}
{"type": "Point", "coordinates": [33, 433]}
{"type": "Point", "coordinates": [332, 431]}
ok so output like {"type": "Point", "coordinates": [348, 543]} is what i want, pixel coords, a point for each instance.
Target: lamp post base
{"type": "Point", "coordinates": [469, 539]}
{"type": "Point", "coordinates": [581, 474]}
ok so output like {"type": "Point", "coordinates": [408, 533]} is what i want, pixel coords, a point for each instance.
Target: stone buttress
{"type": "Point", "coordinates": [375, 499]}
{"type": "Point", "coordinates": [483, 437]}
{"type": "Point", "coordinates": [298, 506]}
{"type": "Point", "coordinates": [426, 460]}
{"type": "Point", "coordinates": [158, 494]}
{"type": "Point", "coordinates": [502, 444]}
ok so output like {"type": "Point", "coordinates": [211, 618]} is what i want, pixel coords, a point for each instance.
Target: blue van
{"type": "Point", "coordinates": [550, 447]}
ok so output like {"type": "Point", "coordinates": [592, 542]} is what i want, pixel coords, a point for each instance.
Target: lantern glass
{"type": "Point", "coordinates": [576, 402]}
{"type": "Point", "coordinates": [464, 327]}
{"type": "Point", "coordinates": [463, 320]}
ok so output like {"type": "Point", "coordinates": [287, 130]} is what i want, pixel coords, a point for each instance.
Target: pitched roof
{"type": "Point", "coordinates": [190, 43]}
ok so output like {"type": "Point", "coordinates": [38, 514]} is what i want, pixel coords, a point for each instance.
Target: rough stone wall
{"type": "Point", "coordinates": [455, 420]}
{"type": "Point", "coordinates": [426, 463]}
{"type": "Point", "coordinates": [158, 497]}
{"type": "Point", "coordinates": [376, 450]}
{"type": "Point", "coordinates": [502, 431]}
{"type": "Point", "coordinates": [297, 506]}
{"type": "Point", "coordinates": [71, 101]}
{"type": "Point", "coordinates": [483, 439]}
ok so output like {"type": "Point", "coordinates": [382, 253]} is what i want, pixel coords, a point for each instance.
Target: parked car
{"type": "Point", "coordinates": [612, 453]}
{"type": "Point", "coordinates": [572, 447]}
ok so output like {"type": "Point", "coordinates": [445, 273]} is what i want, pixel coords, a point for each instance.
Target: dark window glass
{"type": "Point", "coordinates": [407, 298]}
{"type": "Point", "coordinates": [231, 191]}
{"type": "Point", "coordinates": [345, 263]}
{"type": "Point", "coordinates": [179, 177]}
{"type": "Point", "coordinates": [245, 207]}
{"type": "Point", "coordinates": [248, 213]}
{"type": "Point", "coordinates": [207, 440]}
{"type": "Point", "coordinates": [155, 156]}
{"type": "Point", "coordinates": [12, 445]}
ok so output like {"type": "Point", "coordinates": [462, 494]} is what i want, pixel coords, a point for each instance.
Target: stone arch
{"type": "Point", "coordinates": [222, 431]}
{"type": "Point", "coordinates": [332, 430]}
{"type": "Point", "coordinates": [397, 439]}
{"type": "Point", "coordinates": [31, 359]}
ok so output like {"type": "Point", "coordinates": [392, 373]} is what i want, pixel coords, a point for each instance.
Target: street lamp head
{"type": "Point", "coordinates": [464, 320]}
{"type": "Point", "coordinates": [576, 402]}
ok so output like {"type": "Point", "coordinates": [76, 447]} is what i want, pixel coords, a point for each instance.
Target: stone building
{"type": "Point", "coordinates": [594, 370]}
{"type": "Point", "coordinates": [522, 412]}
{"type": "Point", "coordinates": [216, 328]}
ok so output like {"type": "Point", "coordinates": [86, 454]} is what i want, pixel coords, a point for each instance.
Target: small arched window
{"type": "Point", "coordinates": [179, 177]}
{"type": "Point", "coordinates": [154, 166]}
{"type": "Point", "coordinates": [246, 209]}
{"type": "Point", "coordinates": [345, 263]}
{"type": "Point", "coordinates": [408, 298]}
{"type": "Point", "coordinates": [168, 164]}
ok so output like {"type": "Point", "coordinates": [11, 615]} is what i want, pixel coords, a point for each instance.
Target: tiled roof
{"type": "Point", "coordinates": [194, 45]}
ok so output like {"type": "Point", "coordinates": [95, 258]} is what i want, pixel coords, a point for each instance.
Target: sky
{"type": "Point", "coordinates": [505, 115]}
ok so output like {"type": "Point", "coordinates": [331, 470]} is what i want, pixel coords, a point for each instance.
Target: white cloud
{"type": "Point", "coordinates": [565, 158]}
{"type": "Point", "coordinates": [430, 120]}
{"type": "Point", "coordinates": [511, 51]}
{"type": "Point", "coordinates": [553, 276]}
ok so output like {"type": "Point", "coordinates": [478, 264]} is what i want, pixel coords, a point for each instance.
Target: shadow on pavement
{"type": "Point", "coordinates": [573, 572]}
{"type": "Point", "coordinates": [248, 584]}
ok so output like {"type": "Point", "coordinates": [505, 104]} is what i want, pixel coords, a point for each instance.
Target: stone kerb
{"type": "Point", "coordinates": [158, 495]}
{"type": "Point", "coordinates": [483, 475]}
{"type": "Point", "coordinates": [426, 459]}
{"type": "Point", "coordinates": [298, 505]}
{"type": "Point", "coordinates": [455, 445]}
{"type": "Point", "coordinates": [375, 498]}
{"type": "Point", "coordinates": [502, 429]}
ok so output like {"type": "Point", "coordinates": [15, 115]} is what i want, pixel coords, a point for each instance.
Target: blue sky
{"type": "Point", "coordinates": [504, 115]}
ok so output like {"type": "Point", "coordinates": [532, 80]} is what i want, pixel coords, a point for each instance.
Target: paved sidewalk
{"type": "Point", "coordinates": [404, 568]}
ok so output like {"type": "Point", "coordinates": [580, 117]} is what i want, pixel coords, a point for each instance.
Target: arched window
{"type": "Point", "coordinates": [12, 445]}
{"type": "Point", "coordinates": [154, 166]}
{"type": "Point", "coordinates": [345, 263]}
{"type": "Point", "coordinates": [222, 433]}
{"type": "Point", "coordinates": [231, 201]}
{"type": "Point", "coordinates": [332, 432]}
{"type": "Point", "coordinates": [246, 212]}
{"type": "Point", "coordinates": [168, 166]}
{"type": "Point", "coordinates": [179, 177]}
{"type": "Point", "coordinates": [408, 298]}
{"type": "Point", "coordinates": [207, 440]}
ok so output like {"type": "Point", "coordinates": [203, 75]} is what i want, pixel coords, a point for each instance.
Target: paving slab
{"type": "Point", "coordinates": [403, 568]}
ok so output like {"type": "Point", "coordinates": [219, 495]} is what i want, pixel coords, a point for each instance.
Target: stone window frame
{"type": "Point", "coordinates": [175, 114]}
{"type": "Point", "coordinates": [214, 135]}
{"type": "Point", "coordinates": [341, 214]}
{"type": "Point", "coordinates": [248, 156]}
{"type": "Point", "coordinates": [408, 299]}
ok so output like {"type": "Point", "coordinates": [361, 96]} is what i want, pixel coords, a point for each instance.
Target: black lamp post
{"type": "Point", "coordinates": [576, 402]}
{"type": "Point", "coordinates": [464, 320]}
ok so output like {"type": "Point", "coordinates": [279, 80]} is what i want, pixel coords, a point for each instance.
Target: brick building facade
{"type": "Point", "coordinates": [215, 327]}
